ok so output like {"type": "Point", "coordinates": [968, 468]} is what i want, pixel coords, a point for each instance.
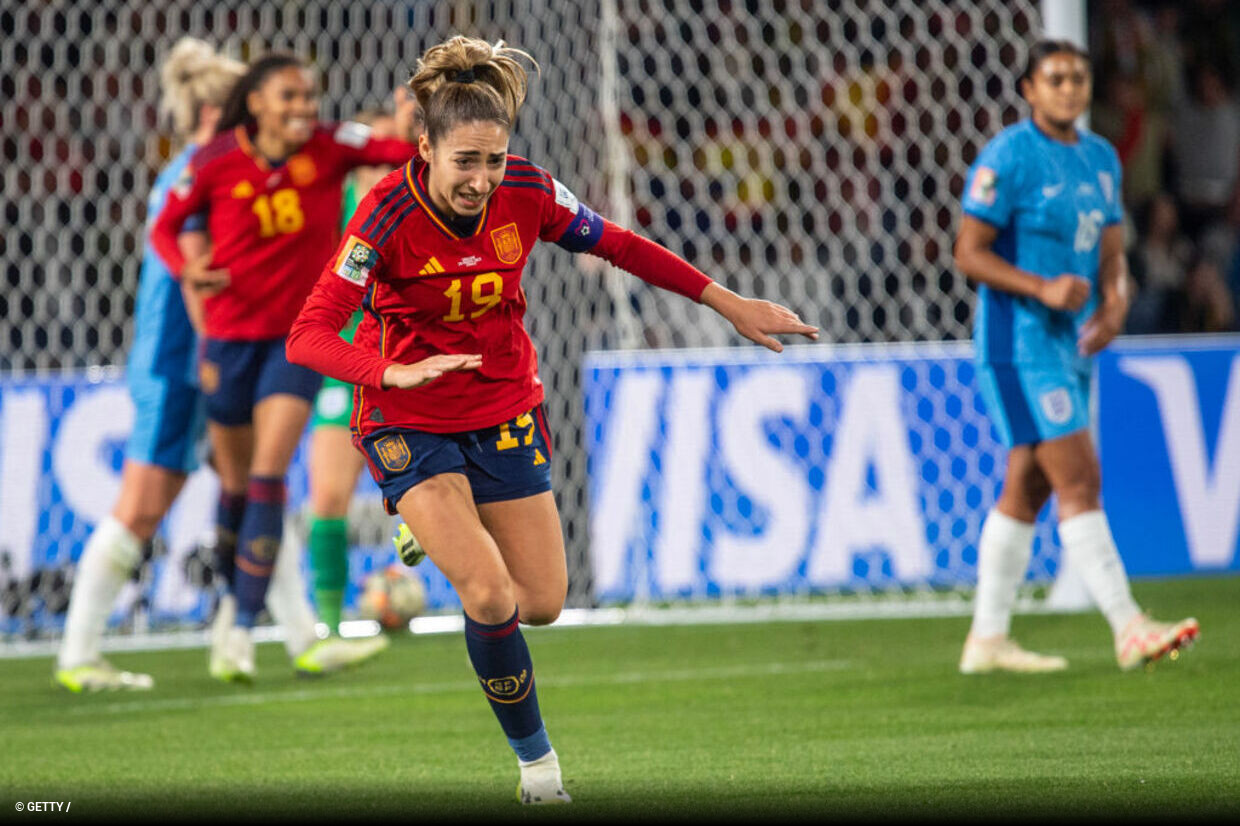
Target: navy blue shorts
{"type": "Point", "coordinates": [236, 375]}
{"type": "Point", "coordinates": [509, 461]}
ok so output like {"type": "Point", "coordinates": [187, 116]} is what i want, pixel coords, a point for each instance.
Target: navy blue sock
{"type": "Point", "coordinates": [502, 661]}
{"type": "Point", "coordinates": [228, 514]}
{"type": "Point", "coordinates": [258, 542]}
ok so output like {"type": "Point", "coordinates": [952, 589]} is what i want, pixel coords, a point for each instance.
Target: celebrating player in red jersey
{"type": "Point", "coordinates": [448, 406]}
{"type": "Point", "coordinates": [270, 183]}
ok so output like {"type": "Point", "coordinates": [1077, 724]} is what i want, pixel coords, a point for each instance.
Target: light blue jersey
{"type": "Point", "coordinates": [1050, 202]}
{"type": "Point", "coordinates": [168, 417]}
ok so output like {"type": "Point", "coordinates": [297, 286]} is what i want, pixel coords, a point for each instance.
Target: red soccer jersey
{"type": "Point", "coordinates": [271, 228]}
{"type": "Point", "coordinates": [430, 286]}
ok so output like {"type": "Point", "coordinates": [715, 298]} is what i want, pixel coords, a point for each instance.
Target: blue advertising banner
{"type": "Point", "coordinates": [1169, 438]}
{"type": "Point", "coordinates": [738, 471]}
{"type": "Point", "coordinates": [62, 443]}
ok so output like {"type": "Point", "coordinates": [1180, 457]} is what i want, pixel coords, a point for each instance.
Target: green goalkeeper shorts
{"type": "Point", "coordinates": [333, 407]}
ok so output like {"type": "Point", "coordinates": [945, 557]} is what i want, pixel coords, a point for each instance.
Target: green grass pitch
{"type": "Point", "coordinates": [813, 720]}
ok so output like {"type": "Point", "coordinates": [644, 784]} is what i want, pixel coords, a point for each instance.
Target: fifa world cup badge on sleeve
{"type": "Point", "coordinates": [983, 188]}
{"type": "Point", "coordinates": [357, 259]}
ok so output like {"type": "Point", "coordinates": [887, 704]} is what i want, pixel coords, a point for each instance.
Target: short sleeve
{"type": "Point", "coordinates": [992, 186]}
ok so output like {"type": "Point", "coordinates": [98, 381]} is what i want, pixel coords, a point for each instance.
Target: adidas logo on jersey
{"type": "Point", "coordinates": [433, 267]}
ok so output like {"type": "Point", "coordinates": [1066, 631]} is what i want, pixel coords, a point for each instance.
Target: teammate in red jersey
{"type": "Point", "coordinates": [270, 183]}
{"type": "Point", "coordinates": [448, 406]}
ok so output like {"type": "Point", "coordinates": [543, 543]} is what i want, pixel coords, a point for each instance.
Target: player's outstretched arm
{"type": "Point", "coordinates": [755, 319]}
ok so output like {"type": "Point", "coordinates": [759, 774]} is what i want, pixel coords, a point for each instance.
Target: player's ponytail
{"type": "Point", "coordinates": [465, 79]}
{"type": "Point", "coordinates": [237, 107]}
{"type": "Point", "coordinates": [194, 75]}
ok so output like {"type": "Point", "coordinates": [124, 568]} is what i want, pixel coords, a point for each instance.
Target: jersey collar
{"type": "Point", "coordinates": [414, 180]}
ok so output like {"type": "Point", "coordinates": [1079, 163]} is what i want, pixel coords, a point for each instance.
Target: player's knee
{"type": "Point", "coordinates": [330, 504]}
{"type": "Point", "coordinates": [487, 599]}
{"type": "Point", "coordinates": [142, 521]}
{"type": "Point", "coordinates": [1081, 492]}
{"type": "Point", "coordinates": [543, 613]}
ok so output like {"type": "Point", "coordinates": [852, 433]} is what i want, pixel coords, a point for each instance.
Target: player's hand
{"type": "Point", "coordinates": [203, 280]}
{"type": "Point", "coordinates": [755, 319]}
{"type": "Point", "coordinates": [1101, 329]}
{"type": "Point", "coordinates": [406, 376]}
{"type": "Point", "coordinates": [1064, 292]}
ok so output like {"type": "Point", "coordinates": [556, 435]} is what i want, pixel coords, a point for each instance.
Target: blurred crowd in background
{"type": "Point", "coordinates": [1165, 94]}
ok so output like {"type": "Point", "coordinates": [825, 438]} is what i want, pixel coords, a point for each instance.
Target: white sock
{"type": "Point", "coordinates": [287, 600]}
{"type": "Point", "coordinates": [1087, 539]}
{"type": "Point", "coordinates": [1002, 557]}
{"type": "Point", "coordinates": [110, 557]}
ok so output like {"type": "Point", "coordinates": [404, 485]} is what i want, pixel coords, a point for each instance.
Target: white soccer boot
{"type": "Point", "coordinates": [983, 655]}
{"type": "Point", "coordinates": [1144, 641]}
{"type": "Point", "coordinates": [336, 654]}
{"type": "Point", "coordinates": [540, 782]}
{"type": "Point", "coordinates": [234, 661]}
{"type": "Point", "coordinates": [101, 675]}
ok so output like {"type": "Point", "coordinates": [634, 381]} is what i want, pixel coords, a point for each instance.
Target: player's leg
{"type": "Point", "coordinates": [334, 468]}
{"type": "Point", "coordinates": [531, 541]}
{"type": "Point", "coordinates": [1071, 465]}
{"type": "Point", "coordinates": [160, 454]}
{"type": "Point", "coordinates": [1006, 541]}
{"type": "Point", "coordinates": [441, 513]}
{"type": "Point", "coordinates": [509, 471]}
{"type": "Point", "coordinates": [232, 448]}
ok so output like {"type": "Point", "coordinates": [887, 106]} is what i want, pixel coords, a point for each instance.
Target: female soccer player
{"type": "Point", "coordinates": [168, 416]}
{"type": "Point", "coordinates": [270, 183]}
{"type": "Point", "coordinates": [449, 404]}
{"type": "Point", "coordinates": [334, 463]}
{"type": "Point", "coordinates": [1042, 234]}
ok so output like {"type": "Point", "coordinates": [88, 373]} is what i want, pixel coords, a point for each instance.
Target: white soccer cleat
{"type": "Point", "coordinates": [336, 654]}
{"type": "Point", "coordinates": [1144, 641]}
{"type": "Point", "coordinates": [983, 655]}
{"type": "Point", "coordinates": [101, 675]}
{"type": "Point", "coordinates": [540, 782]}
{"type": "Point", "coordinates": [233, 661]}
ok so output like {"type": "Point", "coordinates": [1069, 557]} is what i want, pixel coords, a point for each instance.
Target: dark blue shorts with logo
{"type": "Point", "coordinates": [511, 460]}
{"type": "Point", "coordinates": [236, 375]}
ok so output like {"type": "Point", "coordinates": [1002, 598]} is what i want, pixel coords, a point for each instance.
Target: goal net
{"type": "Point", "coordinates": [810, 152]}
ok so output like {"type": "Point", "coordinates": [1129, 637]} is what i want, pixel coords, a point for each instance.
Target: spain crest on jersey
{"type": "Point", "coordinates": [507, 243]}
{"type": "Point", "coordinates": [356, 260]}
{"type": "Point", "coordinates": [301, 170]}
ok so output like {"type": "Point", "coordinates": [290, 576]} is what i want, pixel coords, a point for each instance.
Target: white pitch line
{"type": "Point", "coordinates": [624, 678]}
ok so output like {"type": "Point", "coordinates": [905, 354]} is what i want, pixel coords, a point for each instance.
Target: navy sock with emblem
{"type": "Point", "coordinates": [502, 661]}
{"type": "Point", "coordinates": [258, 543]}
{"type": "Point", "coordinates": [228, 514]}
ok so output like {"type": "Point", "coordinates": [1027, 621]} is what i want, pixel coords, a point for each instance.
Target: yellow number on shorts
{"type": "Point", "coordinates": [507, 440]}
